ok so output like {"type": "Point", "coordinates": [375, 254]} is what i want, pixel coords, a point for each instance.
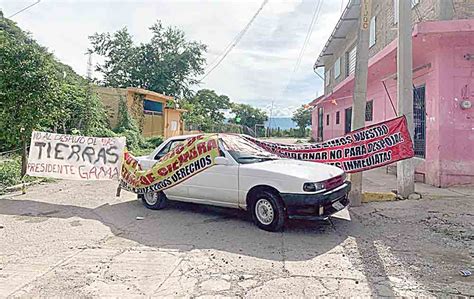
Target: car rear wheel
{"type": "Point", "coordinates": [268, 212]}
{"type": "Point", "coordinates": [154, 200]}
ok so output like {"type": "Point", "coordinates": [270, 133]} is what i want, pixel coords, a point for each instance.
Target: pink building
{"type": "Point", "coordinates": [443, 80]}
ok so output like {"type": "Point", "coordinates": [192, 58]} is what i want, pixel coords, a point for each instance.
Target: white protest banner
{"type": "Point", "coordinates": [75, 157]}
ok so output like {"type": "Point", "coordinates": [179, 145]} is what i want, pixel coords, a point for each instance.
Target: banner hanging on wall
{"type": "Point", "coordinates": [370, 147]}
{"type": "Point", "coordinates": [194, 155]}
{"type": "Point", "coordinates": [75, 157]}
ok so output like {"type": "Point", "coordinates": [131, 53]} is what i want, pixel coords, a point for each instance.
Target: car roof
{"type": "Point", "coordinates": [183, 137]}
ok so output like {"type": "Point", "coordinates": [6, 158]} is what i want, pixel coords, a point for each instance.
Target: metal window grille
{"type": "Point", "coordinates": [351, 60]}
{"type": "Point", "coordinates": [369, 111]}
{"type": "Point", "coordinates": [372, 36]}
{"type": "Point", "coordinates": [419, 119]}
{"type": "Point", "coordinates": [348, 120]}
{"type": "Point", "coordinates": [320, 124]}
{"type": "Point", "coordinates": [337, 68]}
{"type": "Point", "coordinates": [337, 117]}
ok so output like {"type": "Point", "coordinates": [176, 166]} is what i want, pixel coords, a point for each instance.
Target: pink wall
{"type": "Point", "coordinates": [456, 126]}
{"type": "Point", "coordinates": [449, 156]}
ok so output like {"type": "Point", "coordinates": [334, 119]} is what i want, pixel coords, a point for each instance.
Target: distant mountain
{"type": "Point", "coordinates": [284, 123]}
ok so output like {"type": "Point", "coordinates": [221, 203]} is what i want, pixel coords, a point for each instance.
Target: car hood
{"type": "Point", "coordinates": [308, 171]}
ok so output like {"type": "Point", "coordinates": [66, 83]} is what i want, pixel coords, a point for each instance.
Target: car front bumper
{"type": "Point", "coordinates": [317, 206]}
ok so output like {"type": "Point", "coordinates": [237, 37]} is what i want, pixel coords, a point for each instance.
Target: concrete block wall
{"type": "Point", "coordinates": [110, 98]}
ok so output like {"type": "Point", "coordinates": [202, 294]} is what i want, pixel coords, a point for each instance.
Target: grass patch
{"type": "Point", "coordinates": [10, 173]}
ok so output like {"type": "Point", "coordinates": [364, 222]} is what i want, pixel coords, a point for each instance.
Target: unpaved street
{"type": "Point", "coordinates": [77, 239]}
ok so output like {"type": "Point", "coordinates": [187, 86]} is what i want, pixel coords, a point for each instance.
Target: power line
{"type": "Point", "coordinates": [23, 9]}
{"type": "Point", "coordinates": [317, 10]}
{"type": "Point", "coordinates": [235, 41]}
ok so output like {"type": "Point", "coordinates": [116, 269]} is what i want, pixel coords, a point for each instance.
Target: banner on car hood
{"type": "Point", "coordinates": [75, 157]}
{"type": "Point", "coordinates": [194, 155]}
{"type": "Point", "coordinates": [370, 147]}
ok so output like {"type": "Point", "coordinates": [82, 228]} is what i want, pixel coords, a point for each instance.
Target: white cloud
{"type": "Point", "coordinates": [256, 72]}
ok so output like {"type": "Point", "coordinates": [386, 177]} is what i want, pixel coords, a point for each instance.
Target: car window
{"type": "Point", "coordinates": [245, 152]}
{"type": "Point", "coordinates": [168, 147]}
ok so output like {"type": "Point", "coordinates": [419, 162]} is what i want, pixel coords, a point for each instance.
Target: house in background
{"type": "Point", "coordinates": [153, 112]}
{"type": "Point", "coordinates": [443, 80]}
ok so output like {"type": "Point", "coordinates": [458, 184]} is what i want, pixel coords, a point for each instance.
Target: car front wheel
{"type": "Point", "coordinates": [154, 200]}
{"type": "Point", "coordinates": [268, 212]}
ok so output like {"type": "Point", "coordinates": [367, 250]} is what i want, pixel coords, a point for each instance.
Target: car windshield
{"type": "Point", "coordinates": [244, 151]}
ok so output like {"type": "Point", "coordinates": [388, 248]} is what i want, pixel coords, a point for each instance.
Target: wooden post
{"type": "Point", "coordinates": [24, 153]}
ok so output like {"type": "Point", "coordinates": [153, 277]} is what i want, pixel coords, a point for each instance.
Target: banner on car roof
{"type": "Point", "coordinates": [369, 147]}
{"type": "Point", "coordinates": [74, 157]}
{"type": "Point", "coordinates": [192, 156]}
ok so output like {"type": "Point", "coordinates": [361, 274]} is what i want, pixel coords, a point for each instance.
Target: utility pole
{"type": "Point", "coordinates": [405, 168]}
{"type": "Point", "coordinates": [360, 89]}
{"type": "Point", "coordinates": [269, 126]}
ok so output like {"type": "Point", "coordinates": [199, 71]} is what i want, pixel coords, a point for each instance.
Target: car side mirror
{"type": "Point", "coordinates": [221, 161]}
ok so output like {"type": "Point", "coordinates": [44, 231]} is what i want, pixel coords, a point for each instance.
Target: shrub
{"type": "Point", "coordinates": [10, 173]}
{"type": "Point", "coordinates": [155, 141]}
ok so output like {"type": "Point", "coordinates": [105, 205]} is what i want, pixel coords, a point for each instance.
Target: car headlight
{"type": "Point", "coordinates": [313, 187]}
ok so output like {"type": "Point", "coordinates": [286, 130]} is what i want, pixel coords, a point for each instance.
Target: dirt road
{"type": "Point", "coordinates": [78, 239]}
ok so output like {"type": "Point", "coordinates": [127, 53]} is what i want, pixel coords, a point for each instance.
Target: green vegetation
{"type": "Point", "coordinates": [293, 133]}
{"type": "Point", "coordinates": [128, 127]}
{"type": "Point", "coordinates": [204, 110]}
{"type": "Point", "coordinates": [302, 117]}
{"type": "Point", "coordinates": [248, 116]}
{"type": "Point", "coordinates": [37, 92]}
{"type": "Point", "coordinates": [10, 173]}
{"type": "Point", "coordinates": [168, 63]}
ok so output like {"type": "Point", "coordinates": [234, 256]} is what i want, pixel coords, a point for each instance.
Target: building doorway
{"type": "Point", "coordinates": [419, 121]}
{"type": "Point", "coordinates": [348, 120]}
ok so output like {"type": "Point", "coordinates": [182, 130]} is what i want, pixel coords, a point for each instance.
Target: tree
{"type": "Point", "coordinates": [167, 64]}
{"type": "Point", "coordinates": [37, 92]}
{"type": "Point", "coordinates": [28, 92]}
{"type": "Point", "coordinates": [302, 117]}
{"type": "Point", "coordinates": [204, 110]}
{"type": "Point", "coordinates": [248, 115]}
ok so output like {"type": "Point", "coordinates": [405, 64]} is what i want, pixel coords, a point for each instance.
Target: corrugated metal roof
{"type": "Point", "coordinates": [346, 23]}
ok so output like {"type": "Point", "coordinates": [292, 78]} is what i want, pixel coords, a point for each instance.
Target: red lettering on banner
{"type": "Point", "coordinates": [201, 148]}
{"type": "Point", "coordinates": [211, 144]}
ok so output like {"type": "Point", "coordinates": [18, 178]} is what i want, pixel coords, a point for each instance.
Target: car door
{"type": "Point", "coordinates": [179, 191]}
{"type": "Point", "coordinates": [217, 185]}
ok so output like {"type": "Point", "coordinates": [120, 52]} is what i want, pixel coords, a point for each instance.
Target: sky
{"type": "Point", "coordinates": [259, 71]}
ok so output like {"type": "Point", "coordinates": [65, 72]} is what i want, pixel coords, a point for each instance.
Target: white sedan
{"type": "Point", "coordinates": [250, 178]}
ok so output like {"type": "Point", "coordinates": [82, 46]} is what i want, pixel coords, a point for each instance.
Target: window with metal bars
{"type": "Point", "coordinates": [348, 120]}
{"type": "Point", "coordinates": [320, 123]}
{"type": "Point", "coordinates": [419, 119]}
{"type": "Point", "coordinates": [327, 119]}
{"type": "Point", "coordinates": [337, 117]}
{"type": "Point", "coordinates": [351, 60]}
{"type": "Point", "coordinates": [369, 111]}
